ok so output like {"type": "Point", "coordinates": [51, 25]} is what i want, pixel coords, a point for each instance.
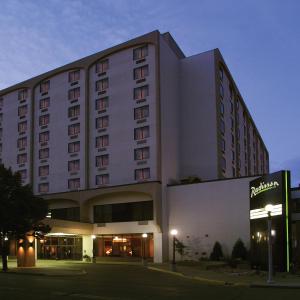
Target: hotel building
{"type": "Point", "coordinates": [102, 139]}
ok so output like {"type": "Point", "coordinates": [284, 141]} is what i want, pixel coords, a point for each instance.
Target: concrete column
{"type": "Point", "coordinates": [87, 245]}
{"type": "Point", "coordinates": [158, 247]}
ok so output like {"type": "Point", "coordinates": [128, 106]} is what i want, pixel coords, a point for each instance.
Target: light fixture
{"type": "Point", "coordinates": [269, 208]}
{"type": "Point", "coordinates": [273, 232]}
{"type": "Point", "coordinates": [174, 232]}
{"type": "Point", "coordinates": [144, 235]}
{"type": "Point", "coordinates": [6, 238]}
{"type": "Point", "coordinates": [93, 236]}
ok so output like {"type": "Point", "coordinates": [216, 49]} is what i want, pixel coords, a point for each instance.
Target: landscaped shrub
{"type": "Point", "coordinates": [239, 250]}
{"type": "Point", "coordinates": [217, 253]}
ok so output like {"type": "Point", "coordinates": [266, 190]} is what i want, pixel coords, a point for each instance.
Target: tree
{"type": "Point", "coordinates": [239, 250]}
{"type": "Point", "coordinates": [20, 211]}
{"type": "Point", "coordinates": [217, 253]}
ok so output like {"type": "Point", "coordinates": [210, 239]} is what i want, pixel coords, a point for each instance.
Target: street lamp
{"type": "Point", "coordinates": [269, 208]}
{"type": "Point", "coordinates": [144, 260]}
{"type": "Point", "coordinates": [174, 233]}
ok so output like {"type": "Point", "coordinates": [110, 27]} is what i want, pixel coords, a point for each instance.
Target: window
{"type": "Point", "coordinates": [22, 110]}
{"type": "Point", "coordinates": [45, 86]}
{"type": "Point", "coordinates": [22, 126]}
{"type": "Point", "coordinates": [237, 103]}
{"type": "Point", "coordinates": [1, 118]}
{"type": "Point", "coordinates": [74, 183]}
{"type": "Point", "coordinates": [140, 72]}
{"type": "Point", "coordinates": [44, 153]}
{"type": "Point", "coordinates": [102, 85]}
{"type": "Point", "coordinates": [22, 158]}
{"type": "Point", "coordinates": [1, 102]}
{"type": "Point", "coordinates": [142, 174]}
{"type": "Point", "coordinates": [233, 156]}
{"type": "Point", "coordinates": [141, 153]}
{"type": "Point", "coordinates": [140, 53]}
{"type": "Point", "coordinates": [102, 141]}
{"type": "Point", "coordinates": [44, 187]}
{"type": "Point", "coordinates": [74, 111]}
{"type": "Point", "coordinates": [74, 147]}
{"type": "Point", "coordinates": [222, 108]}
{"type": "Point", "coordinates": [101, 103]}
{"type": "Point", "coordinates": [22, 95]}
{"type": "Point", "coordinates": [102, 179]}
{"type": "Point", "coordinates": [232, 139]}
{"type": "Point", "coordinates": [238, 133]}
{"type": "Point", "coordinates": [221, 91]}
{"type": "Point", "coordinates": [44, 120]}
{"type": "Point", "coordinates": [44, 103]}
{"type": "Point", "coordinates": [233, 171]}
{"type": "Point", "coordinates": [44, 137]}
{"type": "Point", "coordinates": [102, 161]}
{"type": "Point", "coordinates": [221, 74]}
{"type": "Point", "coordinates": [74, 165]}
{"type": "Point", "coordinates": [44, 170]}
{"type": "Point", "coordinates": [74, 129]}
{"type": "Point", "coordinates": [141, 133]}
{"type": "Point", "coordinates": [231, 92]}
{"type": "Point", "coordinates": [102, 66]}
{"type": "Point", "coordinates": [22, 142]}
{"type": "Point", "coordinates": [223, 145]}
{"type": "Point", "coordinates": [23, 174]}
{"type": "Point", "coordinates": [1, 132]}
{"type": "Point", "coordinates": [74, 94]}
{"type": "Point", "coordinates": [141, 92]}
{"type": "Point", "coordinates": [232, 124]}
{"type": "Point", "coordinates": [141, 112]}
{"type": "Point", "coordinates": [231, 107]}
{"type": "Point", "coordinates": [222, 127]}
{"type": "Point", "coordinates": [102, 122]}
{"type": "Point", "coordinates": [223, 164]}
{"type": "Point", "coordinates": [74, 76]}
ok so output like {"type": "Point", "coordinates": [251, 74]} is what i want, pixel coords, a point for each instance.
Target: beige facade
{"type": "Point", "coordinates": [120, 125]}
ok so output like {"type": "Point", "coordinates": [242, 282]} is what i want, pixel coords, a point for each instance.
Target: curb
{"type": "Point", "coordinates": [45, 274]}
{"type": "Point", "coordinates": [275, 286]}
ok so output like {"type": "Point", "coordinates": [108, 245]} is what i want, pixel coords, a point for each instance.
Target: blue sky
{"type": "Point", "coordinates": [260, 41]}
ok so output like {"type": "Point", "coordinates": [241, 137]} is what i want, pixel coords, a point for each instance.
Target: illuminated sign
{"type": "Point", "coordinates": [263, 187]}
{"type": "Point", "coordinates": [262, 213]}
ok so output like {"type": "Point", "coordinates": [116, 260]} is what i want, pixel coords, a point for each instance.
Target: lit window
{"type": "Point", "coordinates": [102, 85]}
{"type": "Point", "coordinates": [141, 133]}
{"type": "Point", "coordinates": [74, 147]}
{"type": "Point", "coordinates": [141, 153]}
{"type": "Point", "coordinates": [44, 153]}
{"type": "Point", "coordinates": [102, 161]}
{"type": "Point", "coordinates": [102, 122]}
{"type": "Point", "coordinates": [22, 126]}
{"type": "Point", "coordinates": [142, 174]}
{"type": "Point", "coordinates": [74, 111]}
{"type": "Point", "coordinates": [74, 129]}
{"type": "Point", "coordinates": [22, 158]}
{"type": "Point", "coordinates": [141, 92]}
{"type": "Point", "coordinates": [44, 103]}
{"type": "Point", "coordinates": [141, 112]}
{"type": "Point", "coordinates": [141, 72]}
{"type": "Point", "coordinates": [74, 76]}
{"type": "Point", "coordinates": [102, 141]}
{"type": "Point", "coordinates": [45, 86]}
{"type": "Point", "coordinates": [44, 187]}
{"type": "Point", "coordinates": [102, 179]}
{"type": "Point", "coordinates": [140, 53]}
{"type": "Point", "coordinates": [44, 137]}
{"type": "Point", "coordinates": [102, 66]}
{"type": "Point", "coordinates": [101, 103]}
{"type": "Point", "coordinates": [43, 170]}
{"type": "Point", "coordinates": [74, 183]}
{"type": "Point", "coordinates": [74, 165]}
{"type": "Point", "coordinates": [22, 95]}
{"type": "Point", "coordinates": [22, 110]}
{"type": "Point", "coordinates": [44, 120]}
{"type": "Point", "coordinates": [22, 142]}
{"type": "Point", "coordinates": [74, 94]}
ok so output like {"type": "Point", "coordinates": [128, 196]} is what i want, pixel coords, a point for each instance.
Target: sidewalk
{"type": "Point", "coordinates": [228, 276]}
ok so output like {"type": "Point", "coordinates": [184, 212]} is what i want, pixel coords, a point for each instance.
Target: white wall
{"type": "Point", "coordinates": [207, 212]}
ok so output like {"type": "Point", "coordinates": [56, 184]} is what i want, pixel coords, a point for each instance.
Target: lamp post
{"type": "Point", "coordinates": [269, 209]}
{"type": "Point", "coordinates": [144, 260]}
{"type": "Point", "coordinates": [173, 265]}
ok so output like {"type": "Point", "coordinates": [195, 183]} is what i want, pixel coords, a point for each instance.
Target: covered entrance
{"type": "Point", "coordinates": [60, 247]}
{"type": "Point", "coordinates": [123, 245]}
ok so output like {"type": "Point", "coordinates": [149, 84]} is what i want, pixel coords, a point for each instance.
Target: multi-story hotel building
{"type": "Point", "coordinates": [102, 137]}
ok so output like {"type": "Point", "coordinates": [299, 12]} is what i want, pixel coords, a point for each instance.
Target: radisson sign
{"type": "Point", "coordinates": [263, 187]}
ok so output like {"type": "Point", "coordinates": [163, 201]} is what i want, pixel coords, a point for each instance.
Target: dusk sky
{"type": "Point", "coordinates": [259, 40]}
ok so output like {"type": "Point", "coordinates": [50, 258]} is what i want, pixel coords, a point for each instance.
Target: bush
{"type": "Point", "coordinates": [217, 253]}
{"type": "Point", "coordinates": [239, 250]}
